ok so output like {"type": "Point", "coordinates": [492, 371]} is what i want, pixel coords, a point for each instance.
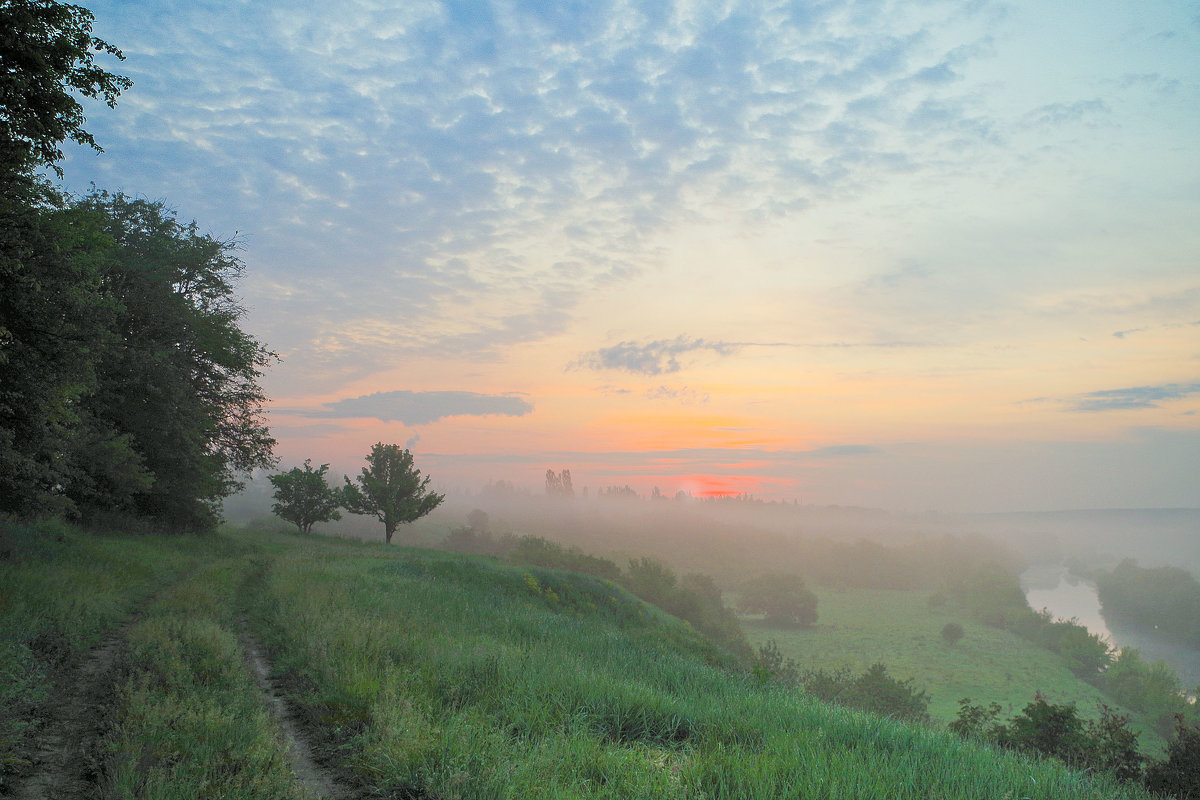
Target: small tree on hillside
{"type": "Point", "coordinates": [782, 598]}
{"type": "Point", "coordinates": [952, 632]}
{"type": "Point", "coordinates": [391, 488]}
{"type": "Point", "coordinates": [303, 498]}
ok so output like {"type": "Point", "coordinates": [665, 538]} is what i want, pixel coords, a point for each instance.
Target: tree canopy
{"type": "Point", "coordinates": [125, 380]}
{"type": "Point", "coordinates": [784, 600]}
{"type": "Point", "coordinates": [47, 52]}
{"type": "Point", "coordinates": [303, 498]}
{"type": "Point", "coordinates": [391, 488]}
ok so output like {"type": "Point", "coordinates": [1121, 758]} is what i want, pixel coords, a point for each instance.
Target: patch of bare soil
{"type": "Point", "coordinates": [315, 778]}
{"type": "Point", "coordinates": [64, 758]}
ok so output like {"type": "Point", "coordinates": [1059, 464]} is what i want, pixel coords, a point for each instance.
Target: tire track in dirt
{"type": "Point", "coordinates": [312, 776]}
{"type": "Point", "coordinates": [64, 757]}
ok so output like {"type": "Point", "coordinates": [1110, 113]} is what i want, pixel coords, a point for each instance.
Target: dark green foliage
{"type": "Point", "coordinates": [784, 600]}
{"type": "Point", "coordinates": [1115, 746]}
{"type": "Point", "coordinates": [1046, 728]}
{"type": "Point", "coordinates": [55, 322]}
{"type": "Point", "coordinates": [543, 553]}
{"type": "Point", "coordinates": [125, 381]}
{"type": "Point", "coordinates": [1179, 775]}
{"type": "Point", "coordinates": [391, 488]}
{"type": "Point", "coordinates": [873, 691]}
{"type": "Point", "coordinates": [1163, 599]}
{"type": "Point", "coordinates": [975, 721]}
{"type": "Point", "coordinates": [46, 53]}
{"type": "Point", "coordinates": [770, 665]}
{"type": "Point", "coordinates": [1152, 689]}
{"type": "Point", "coordinates": [181, 378]}
{"type": "Point", "coordinates": [1057, 731]}
{"type": "Point", "coordinates": [952, 632]}
{"type": "Point", "coordinates": [695, 598]}
{"type": "Point", "coordinates": [993, 596]}
{"type": "Point", "coordinates": [303, 498]}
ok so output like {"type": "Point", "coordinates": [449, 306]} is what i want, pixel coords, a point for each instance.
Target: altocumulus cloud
{"type": "Point", "coordinates": [494, 131]}
{"type": "Point", "coordinates": [652, 358]}
{"type": "Point", "coordinates": [421, 408]}
{"type": "Point", "coordinates": [1134, 397]}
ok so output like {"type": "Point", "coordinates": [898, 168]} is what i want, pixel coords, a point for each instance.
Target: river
{"type": "Point", "coordinates": [1067, 597]}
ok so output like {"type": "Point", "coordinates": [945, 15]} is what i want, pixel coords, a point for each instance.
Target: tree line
{"type": "Point", "coordinates": [127, 385]}
{"type": "Point", "coordinates": [1163, 599]}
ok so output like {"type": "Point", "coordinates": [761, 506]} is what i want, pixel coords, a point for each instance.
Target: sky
{"type": "Point", "coordinates": [909, 255]}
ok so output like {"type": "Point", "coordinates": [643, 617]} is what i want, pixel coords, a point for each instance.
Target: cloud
{"type": "Point", "coordinates": [421, 408]}
{"type": "Point", "coordinates": [1134, 397]}
{"type": "Point", "coordinates": [1124, 333]}
{"type": "Point", "coordinates": [1067, 113]}
{"type": "Point", "coordinates": [683, 394]}
{"type": "Point", "coordinates": [441, 150]}
{"type": "Point", "coordinates": [666, 356]}
{"type": "Point", "coordinates": [652, 358]}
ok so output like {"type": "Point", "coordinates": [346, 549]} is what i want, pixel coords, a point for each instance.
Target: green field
{"type": "Point", "coordinates": [898, 628]}
{"type": "Point", "coordinates": [418, 674]}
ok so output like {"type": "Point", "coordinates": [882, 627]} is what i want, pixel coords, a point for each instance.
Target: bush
{"type": "Point", "coordinates": [1179, 775]}
{"type": "Point", "coordinates": [952, 632]}
{"type": "Point", "coordinates": [873, 691]}
{"type": "Point", "coordinates": [1057, 731]}
{"type": "Point", "coordinates": [782, 598]}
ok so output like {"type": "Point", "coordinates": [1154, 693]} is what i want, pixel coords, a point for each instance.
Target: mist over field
{"type": "Point", "coordinates": [688, 527]}
{"type": "Point", "coordinates": [587, 401]}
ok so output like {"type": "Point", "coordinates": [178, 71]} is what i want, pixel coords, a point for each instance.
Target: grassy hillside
{"type": "Point", "coordinates": [421, 674]}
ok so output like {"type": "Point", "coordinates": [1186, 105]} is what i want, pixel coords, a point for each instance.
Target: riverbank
{"type": "Point", "coordinates": [1067, 596]}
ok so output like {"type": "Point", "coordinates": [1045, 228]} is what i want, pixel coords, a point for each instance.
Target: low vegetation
{"type": "Point", "coordinates": [424, 674]}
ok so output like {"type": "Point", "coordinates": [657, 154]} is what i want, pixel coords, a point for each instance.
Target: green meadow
{"type": "Point", "coordinates": [419, 674]}
{"type": "Point", "coordinates": [857, 628]}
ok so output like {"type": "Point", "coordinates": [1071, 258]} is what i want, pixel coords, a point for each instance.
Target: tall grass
{"type": "Point", "coordinates": [190, 721]}
{"type": "Point", "coordinates": [61, 590]}
{"type": "Point", "coordinates": [453, 677]}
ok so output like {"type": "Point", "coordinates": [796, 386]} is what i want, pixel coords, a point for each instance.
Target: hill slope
{"type": "Point", "coordinates": [422, 674]}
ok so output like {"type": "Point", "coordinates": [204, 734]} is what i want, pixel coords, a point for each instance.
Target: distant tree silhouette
{"type": "Point", "coordinates": [559, 484]}
{"type": "Point", "coordinates": [784, 600]}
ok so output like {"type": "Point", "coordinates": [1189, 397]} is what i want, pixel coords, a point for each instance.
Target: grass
{"type": "Point", "coordinates": [190, 721]}
{"type": "Point", "coordinates": [431, 675]}
{"type": "Point", "coordinates": [454, 677]}
{"type": "Point", "coordinates": [60, 592]}
{"type": "Point", "coordinates": [862, 627]}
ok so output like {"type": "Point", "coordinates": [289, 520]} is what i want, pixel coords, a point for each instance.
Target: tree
{"type": "Point", "coordinates": [952, 632]}
{"type": "Point", "coordinates": [1179, 775]}
{"type": "Point", "coordinates": [126, 382]}
{"type": "Point", "coordinates": [46, 53]}
{"type": "Point", "coordinates": [391, 488]}
{"type": "Point", "coordinates": [478, 520]}
{"type": "Point", "coordinates": [559, 484]}
{"type": "Point", "coordinates": [179, 376]}
{"type": "Point", "coordinates": [52, 315]}
{"type": "Point", "coordinates": [782, 598]}
{"type": "Point", "coordinates": [303, 498]}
